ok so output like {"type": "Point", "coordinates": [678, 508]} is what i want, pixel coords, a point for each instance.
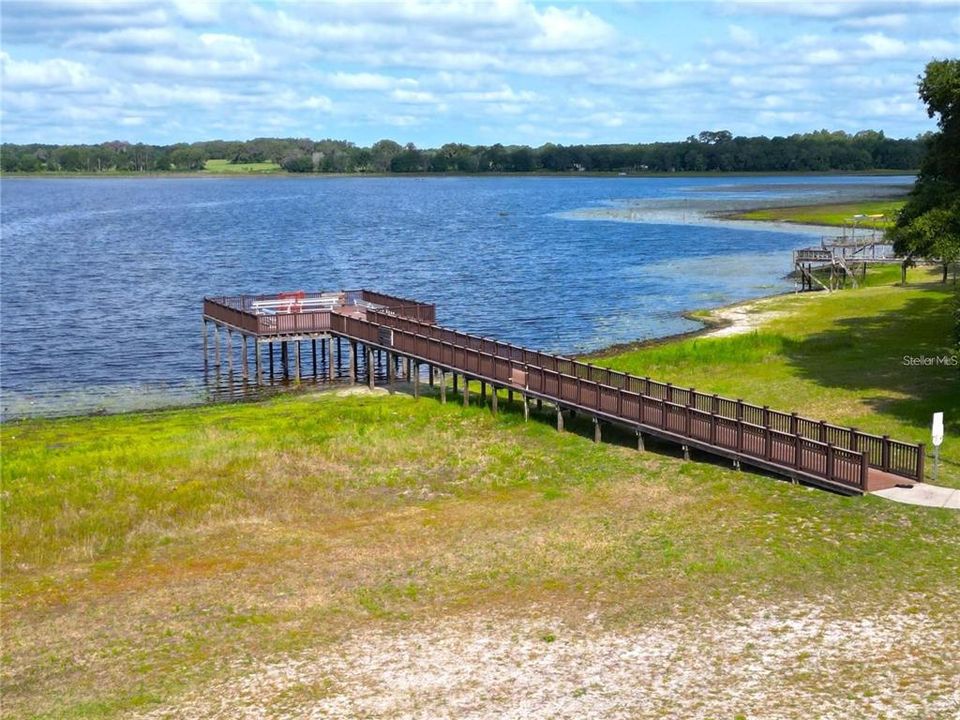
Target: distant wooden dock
{"type": "Point", "coordinates": [840, 260]}
{"type": "Point", "coordinates": [364, 335]}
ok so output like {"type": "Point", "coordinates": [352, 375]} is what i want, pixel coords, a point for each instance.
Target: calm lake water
{"type": "Point", "coordinates": [102, 279]}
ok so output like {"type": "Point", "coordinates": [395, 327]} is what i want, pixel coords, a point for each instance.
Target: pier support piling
{"type": "Point", "coordinates": [259, 362]}
{"type": "Point", "coordinates": [216, 345]}
{"type": "Point", "coordinates": [244, 368]}
{"type": "Point", "coordinates": [331, 362]}
{"type": "Point", "coordinates": [416, 380]}
{"type": "Point", "coordinates": [443, 387]}
{"type": "Point", "coordinates": [206, 360]}
{"type": "Point", "coordinates": [371, 378]}
{"type": "Point", "coordinates": [640, 447]}
{"type": "Point", "coordinates": [230, 351]}
{"type": "Point", "coordinates": [493, 399]}
{"type": "Point", "coordinates": [313, 350]}
{"type": "Point", "coordinates": [559, 419]}
{"type": "Point", "coordinates": [296, 361]}
{"type": "Point", "coordinates": [466, 391]}
{"type": "Point", "coordinates": [526, 408]}
{"type": "Point", "coordinates": [597, 432]}
{"type": "Point", "coordinates": [353, 361]}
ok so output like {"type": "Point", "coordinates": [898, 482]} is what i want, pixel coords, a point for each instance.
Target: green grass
{"type": "Point", "coordinates": [225, 166]}
{"type": "Point", "coordinates": [837, 357]}
{"type": "Point", "coordinates": [148, 553]}
{"type": "Point", "coordinates": [831, 214]}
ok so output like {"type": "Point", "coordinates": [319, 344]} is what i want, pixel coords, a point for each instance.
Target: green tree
{"type": "Point", "coordinates": [928, 223]}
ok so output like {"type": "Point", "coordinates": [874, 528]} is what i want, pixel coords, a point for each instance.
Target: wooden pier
{"type": "Point", "coordinates": [364, 334]}
{"type": "Point", "coordinates": [839, 260]}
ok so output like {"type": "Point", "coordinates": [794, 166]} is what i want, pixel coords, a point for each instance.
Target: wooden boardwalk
{"type": "Point", "coordinates": [402, 331]}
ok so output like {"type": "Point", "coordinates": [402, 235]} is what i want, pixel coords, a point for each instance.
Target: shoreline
{"type": "Point", "coordinates": [173, 174]}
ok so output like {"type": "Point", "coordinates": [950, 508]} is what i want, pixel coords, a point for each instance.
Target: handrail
{"type": "Point", "coordinates": [880, 452]}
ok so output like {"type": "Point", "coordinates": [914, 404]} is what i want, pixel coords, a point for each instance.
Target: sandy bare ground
{"type": "Point", "coordinates": [784, 662]}
{"type": "Point", "coordinates": [743, 317]}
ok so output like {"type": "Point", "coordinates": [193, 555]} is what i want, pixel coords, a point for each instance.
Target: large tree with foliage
{"type": "Point", "coordinates": [929, 224]}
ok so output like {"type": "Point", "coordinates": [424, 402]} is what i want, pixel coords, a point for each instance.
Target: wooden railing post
{"type": "Point", "coordinates": [864, 471]}
{"type": "Point", "coordinates": [797, 451]}
{"type": "Point", "coordinates": [830, 461]}
{"type": "Point", "coordinates": [766, 416]}
{"type": "Point", "coordinates": [793, 423]}
{"type": "Point", "coordinates": [921, 455]}
{"type": "Point", "coordinates": [823, 431]}
{"type": "Point", "coordinates": [739, 435]}
{"type": "Point", "coordinates": [854, 439]}
{"type": "Point", "coordinates": [885, 453]}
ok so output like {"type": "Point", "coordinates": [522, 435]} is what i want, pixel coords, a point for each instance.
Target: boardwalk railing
{"type": "Point", "coordinates": [838, 454]}
{"type": "Point", "coordinates": [241, 312]}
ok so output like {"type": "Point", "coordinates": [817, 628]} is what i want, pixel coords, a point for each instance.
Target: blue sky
{"type": "Point", "coordinates": [476, 72]}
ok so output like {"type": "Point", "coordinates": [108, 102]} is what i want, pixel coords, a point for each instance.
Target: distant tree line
{"type": "Point", "coordinates": [707, 152]}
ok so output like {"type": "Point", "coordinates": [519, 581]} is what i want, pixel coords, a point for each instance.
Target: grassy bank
{"type": "Point", "coordinates": [150, 557]}
{"type": "Point", "coordinates": [829, 214]}
{"type": "Point", "coordinates": [839, 357]}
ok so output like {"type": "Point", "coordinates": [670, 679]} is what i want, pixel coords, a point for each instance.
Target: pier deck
{"type": "Point", "coordinates": [404, 335]}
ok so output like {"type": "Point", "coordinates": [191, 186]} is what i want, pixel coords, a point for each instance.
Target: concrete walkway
{"type": "Point", "coordinates": [923, 494]}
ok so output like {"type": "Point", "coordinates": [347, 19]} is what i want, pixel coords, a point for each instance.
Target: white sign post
{"type": "Point", "coordinates": [937, 440]}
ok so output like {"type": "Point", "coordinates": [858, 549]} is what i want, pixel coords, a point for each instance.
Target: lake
{"type": "Point", "coordinates": [102, 279]}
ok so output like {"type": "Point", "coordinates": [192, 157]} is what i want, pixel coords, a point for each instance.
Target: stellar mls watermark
{"type": "Point", "coordinates": [930, 361]}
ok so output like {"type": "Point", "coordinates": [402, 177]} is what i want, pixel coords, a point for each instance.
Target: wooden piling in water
{"type": "Point", "coordinates": [296, 361]}
{"type": "Point", "coordinates": [353, 361]}
{"type": "Point", "coordinates": [331, 363]}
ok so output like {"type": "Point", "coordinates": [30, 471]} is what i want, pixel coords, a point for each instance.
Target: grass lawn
{"type": "Point", "coordinates": [298, 553]}
{"type": "Point", "coordinates": [837, 357]}
{"type": "Point", "coordinates": [836, 214]}
{"type": "Point", "coordinates": [225, 166]}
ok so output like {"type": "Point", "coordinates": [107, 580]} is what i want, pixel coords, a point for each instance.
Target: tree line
{"type": "Point", "coordinates": [710, 151]}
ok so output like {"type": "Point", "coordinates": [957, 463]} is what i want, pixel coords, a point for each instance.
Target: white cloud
{"type": "Point", "coordinates": [414, 97]}
{"type": "Point", "coordinates": [824, 56]}
{"type": "Point", "coordinates": [889, 21]}
{"type": "Point", "coordinates": [367, 81]}
{"type": "Point", "coordinates": [743, 37]}
{"type": "Point", "coordinates": [55, 73]}
{"type": "Point", "coordinates": [572, 28]}
{"type": "Point", "coordinates": [880, 46]}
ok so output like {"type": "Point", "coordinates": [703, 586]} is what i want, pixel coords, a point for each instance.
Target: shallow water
{"type": "Point", "coordinates": [102, 279]}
